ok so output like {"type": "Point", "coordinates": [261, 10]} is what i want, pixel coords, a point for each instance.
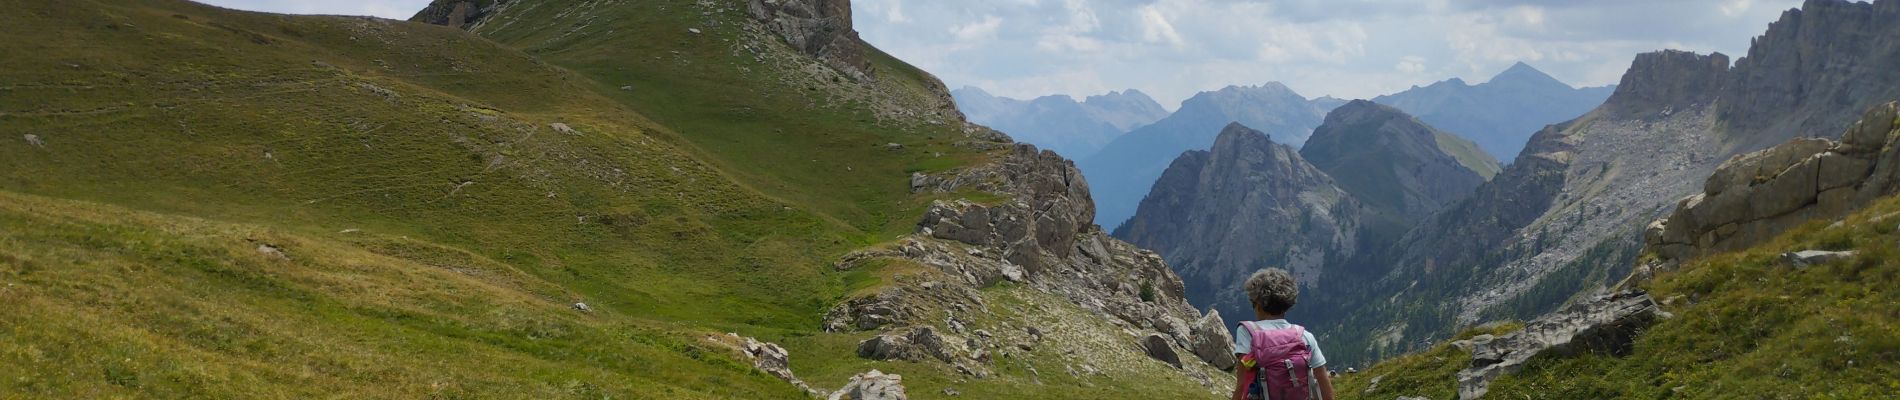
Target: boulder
{"type": "Point", "coordinates": [1841, 170]}
{"type": "Point", "coordinates": [773, 360]}
{"type": "Point", "coordinates": [1786, 191]}
{"type": "Point", "coordinates": [874, 385]}
{"type": "Point", "coordinates": [1160, 349]}
{"type": "Point", "coordinates": [563, 128]}
{"type": "Point", "coordinates": [1808, 258]}
{"type": "Point", "coordinates": [1870, 134]}
{"type": "Point", "coordinates": [1212, 342]}
{"type": "Point", "coordinates": [885, 347]}
{"type": "Point", "coordinates": [35, 140]}
{"type": "Point", "coordinates": [1603, 324]}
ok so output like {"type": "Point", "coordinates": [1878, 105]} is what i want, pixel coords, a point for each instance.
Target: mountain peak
{"type": "Point", "coordinates": [1522, 73]}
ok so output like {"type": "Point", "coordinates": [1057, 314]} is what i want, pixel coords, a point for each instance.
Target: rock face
{"type": "Point", "coordinates": [818, 28]}
{"type": "Point", "coordinates": [1126, 168]}
{"type": "Point", "coordinates": [1059, 123]}
{"type": "Point", "coordinates": [1039, 237]}
{"type": "Point", "coordinates": [1501, 114]}
{"type": "Point", "coordinates": [1753, 197]}
{"type": "Point", "coordinates": [1394, 163]}
{"type": "Point", "coordinates": [1603, 325]}
{"type": "Point", "coordinates": [1664, 82]}
{"type": "Point", "coordinates": [1812, 70]}
{"type": "Point", "coordinates": [1219, 215]}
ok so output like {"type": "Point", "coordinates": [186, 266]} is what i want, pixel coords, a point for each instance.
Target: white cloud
{"type": "Point", "coordinates": [980, 30]}
{"type": "Point", "coordinates": [1411, 65]}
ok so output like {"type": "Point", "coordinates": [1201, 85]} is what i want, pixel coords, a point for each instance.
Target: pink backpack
{"type": "Point", "coordinates": [1281, 370]}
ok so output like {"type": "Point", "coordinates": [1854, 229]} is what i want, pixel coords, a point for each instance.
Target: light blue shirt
{"type": "Point", "coordinates": [1243, 340]}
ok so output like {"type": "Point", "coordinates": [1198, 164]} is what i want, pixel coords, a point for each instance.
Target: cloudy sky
{"type": "Point", "coordinates": [1174, 48]}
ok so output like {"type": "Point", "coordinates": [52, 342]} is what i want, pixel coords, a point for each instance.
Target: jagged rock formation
{"type": "Point", "coordinates": [1126, 168]}
{"type": "Point", "coordinates": [1812, 70]}
{"type": "Point", "coordinates": [1501, 114]}
{"type": "Point", "coordinates": [1039, 236]}
{"type": "Point", "coordinates": [1569, 215]}
{"type": "Point", "coordinates": [1753, 197]}
{"type": "Point", "coordinates": [1603, 324]}
{"type": "Point", "coordinates": [818, 28]}
{"type": "Point", "coordinates": [1394, 163]}
{"type": "Point", "coordinates": [1059, 123]}
{"type": "Point", "coordinates": [1220, 214]}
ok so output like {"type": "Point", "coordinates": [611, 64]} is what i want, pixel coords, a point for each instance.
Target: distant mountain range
{"type": "Point", "coordinates": [1501, 114]}
{"type": "Point", "coordinates": [1058, 122]}
{"type": "Point", "coordinates": [1123, 171]}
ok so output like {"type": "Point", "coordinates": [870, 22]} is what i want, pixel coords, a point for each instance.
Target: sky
{"type": "Point", "coordinates": [1172, 49]}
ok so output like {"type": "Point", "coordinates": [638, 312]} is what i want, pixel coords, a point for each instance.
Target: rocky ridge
{"type": "Point", "coordinates": [1604, 324]}
{"type": "Point", "coordinates": [1394, 162]}
{"type": "Point", "coordinates": [1039, 237]}
{"type": "Point", "coordinates": [1213, 212]}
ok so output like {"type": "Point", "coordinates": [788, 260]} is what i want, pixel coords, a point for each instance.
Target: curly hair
{"type": "Point", "coordinates": [1272, 290]}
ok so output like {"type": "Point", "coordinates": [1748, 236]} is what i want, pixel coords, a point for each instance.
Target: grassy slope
{"type": "Point", "coordinates": [1468, 154]}
{"type": "Point", "coordinates": [1745, 325]}
{"type": "Point", "coordinates": [434, 148]}
{"type": "Point", "coordinates": [436, 227]}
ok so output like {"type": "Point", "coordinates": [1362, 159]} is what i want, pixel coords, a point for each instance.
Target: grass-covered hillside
{"type": "Point", "coordinates": [204, 202]}
{"type": "Point", "coordinates": [1746, 325]}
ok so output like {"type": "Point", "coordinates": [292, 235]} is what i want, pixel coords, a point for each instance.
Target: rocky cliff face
{"type": "Point", "coordinates": [818, 28]}
{"type": "Point", "coordinates": [1753, 197]}
{"type": "Point", "coordinates": [1219, 215]}
{"type": "Point", "coordinates": [1394, 163]}
{"type": "Point", "coordinates": [1662, 83]}
{"type": "Point", "coordinates": [1040, 237]}
{"type": "Point", "coordinates": [1812, 70]}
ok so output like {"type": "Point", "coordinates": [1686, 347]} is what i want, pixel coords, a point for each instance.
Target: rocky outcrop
{"type": "Point", "coordinates": [1603, 325]}
{"type": "Point", "coordinates": [463, 14]}
{"type": "Point", "coordinates": [1664, 82]}
{"type": "Point", "coordinates": [1394, 163]}
{"type": "Point", "coordinates": [1754, 197]}
{"type": "Point", "coordinates": [1159, 348]}
{"type": "Point", "coordinates": [766, 357]}
{"type": "Point", "coordinates": [874, 385]}
{"type": "Point", "coordinates": [818, 28]}
{"type": "Point", "coordinates": [1039, 236]}
{"type": "Point", "coordinates": [1221, 214]}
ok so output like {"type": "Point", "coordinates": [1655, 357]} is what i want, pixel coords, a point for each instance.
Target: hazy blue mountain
{"type": "Point", "coordinates": [1124, 170]}
{"type": "Point", "coordinates": [1500, 115]}
{"type": "Point", "coordinates": [1074, 129]}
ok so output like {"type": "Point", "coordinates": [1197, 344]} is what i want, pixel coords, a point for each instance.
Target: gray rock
{"type": "Point", "coordinates": [1159, 348]}
{"type": "Point", "coordinates": [35, 140]}
{"type": "Point", "coordinates": [773, 360]}
{"type": "Point", "coordinates": [563, 128]}
{"type": "Point", "coordinates": [874, 385]}
{"type": "Point", "coordinates": [1212, 342]}
{"type": "Point", "coordinates": [885, 347]}
{"type": "Point", "coordinates": [272, 252]}
{"type": "Point", "coordinates": [894, 146]}
{"type": "Point", "coordinates": [1808, 258]}
{"type": "Point", "coordinates": [1604, 324]}
{"type": "Point", "coordinates": [582, 307]}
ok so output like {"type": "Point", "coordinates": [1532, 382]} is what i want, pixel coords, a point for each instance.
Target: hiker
{"type": "Point", "coordinates": [1278, 360]}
